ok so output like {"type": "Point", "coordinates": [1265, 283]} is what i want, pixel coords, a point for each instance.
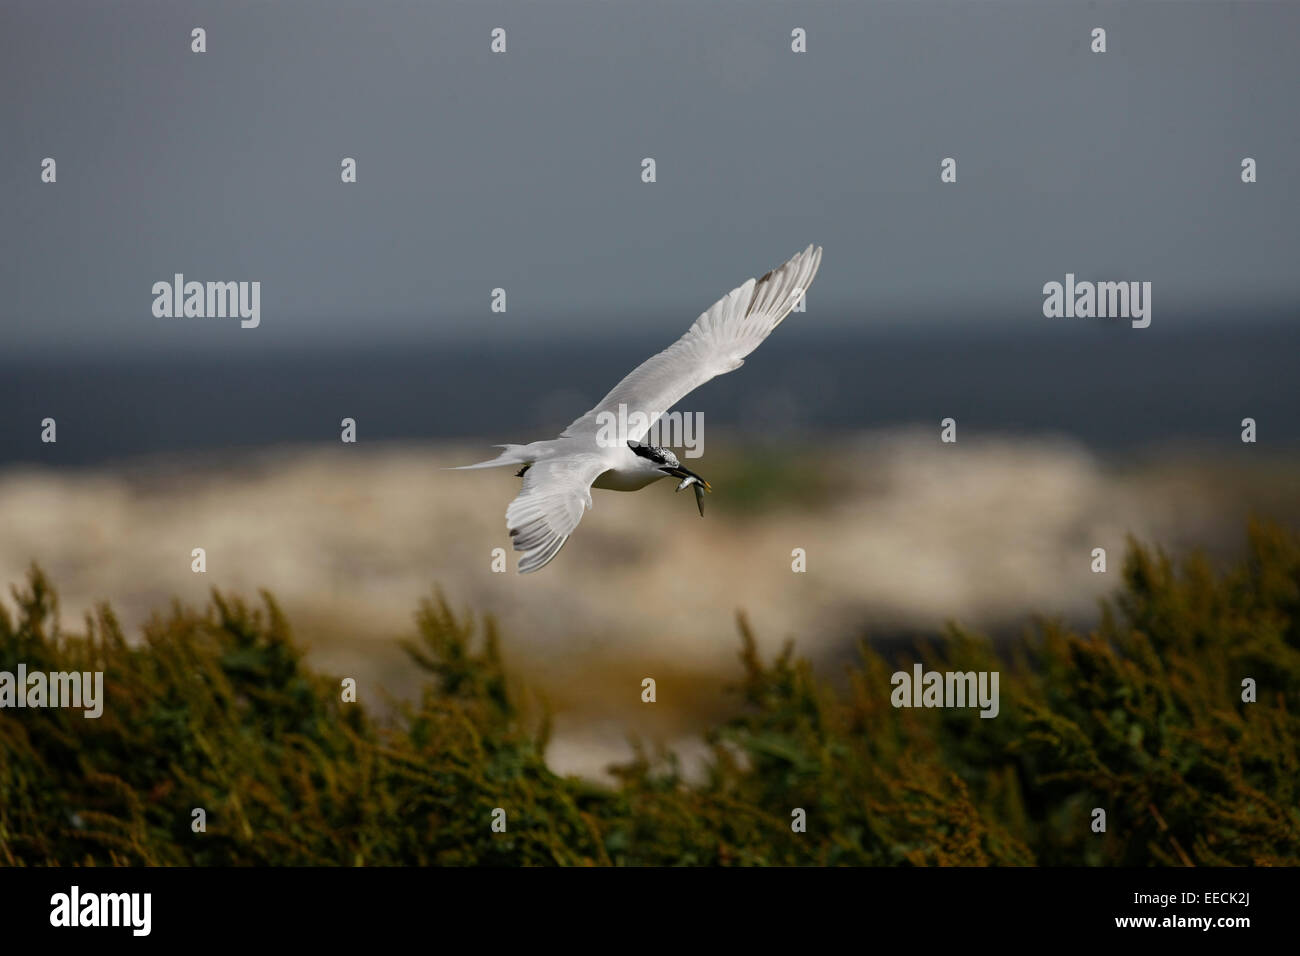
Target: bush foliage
{"type": "Point", "coordinates": [216, 709]}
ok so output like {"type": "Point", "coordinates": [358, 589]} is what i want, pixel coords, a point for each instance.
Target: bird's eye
{"type": "Point", "coordinates": [646, 451]}
{"type": "Point", "coordinates": [650, 452]}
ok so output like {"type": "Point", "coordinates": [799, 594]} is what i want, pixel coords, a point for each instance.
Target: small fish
{"type": "Point", "coordinates": [701, 486]}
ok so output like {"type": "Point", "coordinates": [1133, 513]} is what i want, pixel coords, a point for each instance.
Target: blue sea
{"type": "Point", "coordinates": [1109, 386]}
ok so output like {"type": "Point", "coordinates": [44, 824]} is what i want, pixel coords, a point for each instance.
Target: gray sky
{"type": "Point", "coordinates": [523, 170]}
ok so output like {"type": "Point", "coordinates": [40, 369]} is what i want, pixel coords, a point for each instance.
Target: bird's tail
{"type": "Point", "coordinates": [513, 455]}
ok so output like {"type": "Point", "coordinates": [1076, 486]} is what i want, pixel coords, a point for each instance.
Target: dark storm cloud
{"type": "Point", "coordinates": [522, 171]}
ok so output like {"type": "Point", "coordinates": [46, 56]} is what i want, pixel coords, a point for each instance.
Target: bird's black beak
{"type": "Point", "coordinates": [680, 472]}
{"type": "Point", "coordinates": [699, 485]}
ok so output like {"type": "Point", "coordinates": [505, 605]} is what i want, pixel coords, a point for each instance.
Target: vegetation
{"type": "Point", "coordinates": [216, 710]}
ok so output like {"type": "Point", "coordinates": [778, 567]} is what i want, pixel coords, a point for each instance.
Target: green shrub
{"type": "Point", "coordinates": [217, 710]}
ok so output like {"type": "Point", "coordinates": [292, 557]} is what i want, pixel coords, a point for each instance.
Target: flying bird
{"type": "Point", "coordinates": [559, 474]}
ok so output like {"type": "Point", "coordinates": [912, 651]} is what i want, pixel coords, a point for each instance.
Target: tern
{"type": "Point", "coordinates": [559, 474]}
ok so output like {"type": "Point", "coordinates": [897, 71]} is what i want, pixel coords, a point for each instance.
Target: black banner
{"type": "Point", "coordinates": [216, 906]}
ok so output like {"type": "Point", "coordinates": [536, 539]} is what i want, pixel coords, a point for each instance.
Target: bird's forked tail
{"type": "Point", "coordinates": [511, 456]}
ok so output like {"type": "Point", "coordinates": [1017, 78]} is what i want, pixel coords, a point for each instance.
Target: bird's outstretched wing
{"type": "Point", "coordinates": [548, 508]}
{"type": "Point", "coordinates": [717, 343]}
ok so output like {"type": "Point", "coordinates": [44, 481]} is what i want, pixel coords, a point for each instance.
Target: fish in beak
{"type": "Point", "coordinates": [689, 478]}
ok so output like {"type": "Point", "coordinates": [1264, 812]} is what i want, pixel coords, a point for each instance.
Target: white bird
{"type": "Point", "coordinates": [559, 474]}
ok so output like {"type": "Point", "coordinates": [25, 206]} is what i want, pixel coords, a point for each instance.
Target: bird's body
{"type": "Point", "coordinates": [559, 474]}
{"type": "Point", "coordinates": [628, 473]}
{"type": "Point", "coordinates": [623, 471]}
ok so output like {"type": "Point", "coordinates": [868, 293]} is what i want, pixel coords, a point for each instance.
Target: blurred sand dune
{"type": "Point", "coordinates": [904, 533]}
